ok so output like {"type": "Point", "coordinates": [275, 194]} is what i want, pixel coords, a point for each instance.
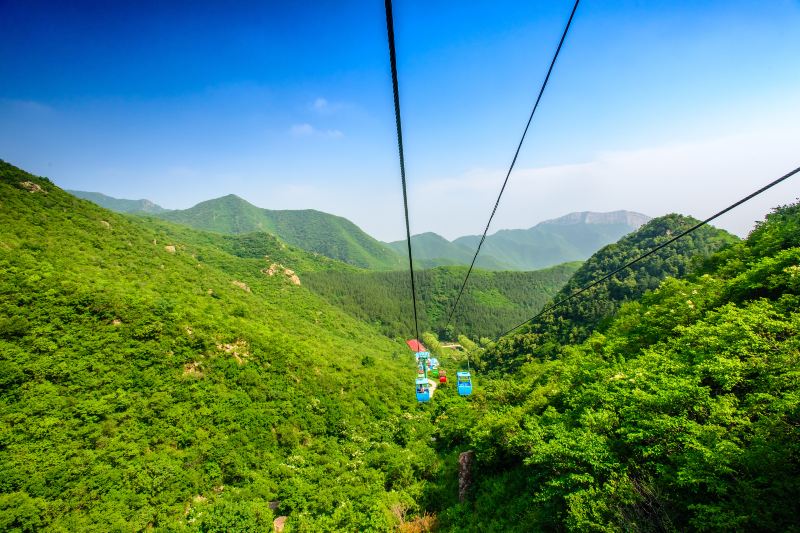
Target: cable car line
{"type": "Point", "coordinates": [423, 387]}
{"type": "Point", "coordinates": [654, 250]}
{"type": "Point", "coordinates": [513, 161]}
{"type": "Point", "coordinates": [396, 91]}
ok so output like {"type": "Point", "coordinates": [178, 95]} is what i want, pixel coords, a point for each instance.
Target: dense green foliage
{"type": "Point", "coordinates": [492, 303]}
{"type": "Point", "coordinates": [682, 415]}
{"type": "Point", "coordinates": [311, 230]}
{"type": "Point", "coordinates": [579, 317]}
{"type": "Point", "coordinates": [119, 205]}
{"type": "Point", "coordinates": [149, 377]}
{"type": "Point", "coordinates": [573, 237]}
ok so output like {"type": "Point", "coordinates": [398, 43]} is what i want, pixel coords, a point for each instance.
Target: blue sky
{"type": "Point", "coordinates": [654, 106]}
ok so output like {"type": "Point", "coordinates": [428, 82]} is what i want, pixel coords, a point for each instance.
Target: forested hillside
{"type": "Point", "coordinates": [682, 415]}
{"type": "Point", "coordinates": [492, 302]}
{"type": "Point", "coordinates": [579, 317]}
{"type": "Point", "coordinates": [311, 230]}
{"type": "Point", "coordinates": [157, 377]}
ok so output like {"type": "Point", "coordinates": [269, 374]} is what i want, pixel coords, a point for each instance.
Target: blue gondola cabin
{"type": "Point", "coordinates": [464, 383]}
{"type": "Point", "coordinates": [423, 390]}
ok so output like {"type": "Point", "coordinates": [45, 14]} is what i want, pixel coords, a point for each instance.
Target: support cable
{"type": "Point", "coordinates": [654, 250]}
{"type": "Point", "coordinates": [513, 162]}
{"type": "Point", "coordinates": [396, 91]}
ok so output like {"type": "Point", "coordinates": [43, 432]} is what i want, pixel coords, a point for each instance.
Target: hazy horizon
{"type": "Point", "coordinates": [395, 240]}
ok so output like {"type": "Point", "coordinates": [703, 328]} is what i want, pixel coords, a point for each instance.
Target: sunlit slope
{"type": "Point", "coordinates": [311, 230]}
{"type": "Point", "coordinates": [150, 377]}
{"type": "Point", "coordinates": [681, 415]}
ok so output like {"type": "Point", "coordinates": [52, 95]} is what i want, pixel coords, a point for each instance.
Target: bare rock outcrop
{"type": "Point", "coordinates": [276, 268]}
{"type": "Point", "coordinates": [240, 350]}
{"type": "Point", "coordinates": [193, 369]}
{"type": "Point", "coordinates": [242, 285]}
{"type": "Point", "coordinates": [32, 187]}
{"type": "Point", "coordinates": [294, 278]}
{"type": "Point", "coordinates": [465, 461]}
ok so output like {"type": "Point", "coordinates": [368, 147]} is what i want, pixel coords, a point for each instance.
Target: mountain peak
{"type": "Point", "coordinates": [629, 218]}
{"type": "Point", "coordinates": [229, 201]}
{"type": "Point", "coordinates": [231, 198]}
{"type": "Point", "coordinates": [329, 235]}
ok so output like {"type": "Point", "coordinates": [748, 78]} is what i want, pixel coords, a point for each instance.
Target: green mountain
{"type": "Point", "coordinates": [311, 230]}
{"type": "Point", "coordinates": [573, 237]}
{"type": "Point", "coordinates": [492, 303]}
{"type": "Point", "coordinates": [681, 415]}
{"type": "Point", "coordinates": [120, 205]}
{"type": "Point", "coordinates": [153, 376]}
{"type": "Point", "coordinates": [578, 318]}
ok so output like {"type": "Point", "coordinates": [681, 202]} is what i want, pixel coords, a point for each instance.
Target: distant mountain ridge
{"type": "Point", "coordinates": [120, 205]}
{"type": "Point", "coordinates": [572, 237]}
{"type": "Point", "coordinates": [630, 218]}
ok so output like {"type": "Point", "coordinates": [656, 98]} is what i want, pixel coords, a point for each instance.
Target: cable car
{"type": "Point", "coordinates": [423, 390]}
{"type": "Point", "coordinates": [442, 376]}
{"type": "Point", "coordinates": [463, 383]}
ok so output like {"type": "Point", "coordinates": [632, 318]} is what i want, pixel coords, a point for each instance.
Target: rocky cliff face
{"type": "Point", "coordinates": [630, 218]}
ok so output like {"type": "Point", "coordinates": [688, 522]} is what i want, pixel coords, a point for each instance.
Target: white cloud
{"type": "Point", "coordinates": [320, 104]}
{"type": "Point", "coordinates": [323, 106]}
{"type": "Point", "coordinates": [334, 134]}
{"type": "Point", "coordinates": [301, 130]}
{"type": "Point", "coordinates": [697, 179]}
